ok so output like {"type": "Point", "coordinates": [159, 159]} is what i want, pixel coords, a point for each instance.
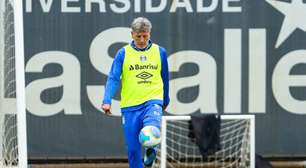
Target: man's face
{"type": "Point", "coordinates": [141, 39]}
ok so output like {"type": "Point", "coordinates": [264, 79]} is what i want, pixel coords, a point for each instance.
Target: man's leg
{"type": "Point", "coordinates": [152, 116]}
{"type": "Point", "coordinates": [132, 126]}
{"type": "Point", "coordinates": [150, 156]}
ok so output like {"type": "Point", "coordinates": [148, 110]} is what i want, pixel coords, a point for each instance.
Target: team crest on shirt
{"type": "Point", "coordinates": [143, 58]}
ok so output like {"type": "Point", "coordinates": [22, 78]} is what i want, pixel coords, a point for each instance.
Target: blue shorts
{"type": "Point", "coordinates": [133, 122]}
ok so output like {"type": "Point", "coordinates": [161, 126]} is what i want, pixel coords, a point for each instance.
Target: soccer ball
{"type": "Point", "coordinates": [149, 136]}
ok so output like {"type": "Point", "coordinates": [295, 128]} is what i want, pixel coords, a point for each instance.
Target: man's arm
{"type": "Point", "coordinates": [165, 76]}
{"type": "Point", "coordinates": [113, 82]}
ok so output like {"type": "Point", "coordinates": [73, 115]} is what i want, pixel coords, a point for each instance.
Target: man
{"type": "Point", "coordinates": [142, 68]}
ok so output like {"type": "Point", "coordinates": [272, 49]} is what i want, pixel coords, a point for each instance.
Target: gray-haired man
{"type": "Point", "coordinates": [142, 68]}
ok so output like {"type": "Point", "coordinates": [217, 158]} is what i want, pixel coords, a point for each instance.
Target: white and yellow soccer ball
{"type": "Point", "coordinates": [149, 136]}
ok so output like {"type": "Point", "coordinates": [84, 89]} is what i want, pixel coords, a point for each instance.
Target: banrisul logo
{"type": "Point", "coordinates": [142, 67]}
{"type": "Point", "coordinates": [294, 18]}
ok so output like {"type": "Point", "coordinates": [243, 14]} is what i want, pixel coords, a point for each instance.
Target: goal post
{"type": "Point", "coordinates": [20, 84]}
{"type": "Point", "coordinates": [237, 141]}
{"type": "Point", "coordinates": [13, 132]}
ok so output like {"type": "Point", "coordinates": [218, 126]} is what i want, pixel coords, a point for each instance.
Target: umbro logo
{"type": "Point", "coordinates": [144, 75]}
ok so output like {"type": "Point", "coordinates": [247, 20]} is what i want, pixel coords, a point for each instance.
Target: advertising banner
{"type": "Point", "coordinates": [225, 56]}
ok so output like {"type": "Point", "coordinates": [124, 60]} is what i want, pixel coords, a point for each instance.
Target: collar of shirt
{"type": "Point", "coordinates": [141, 49]}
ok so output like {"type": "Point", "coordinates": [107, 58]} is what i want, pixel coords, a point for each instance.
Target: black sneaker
{"type": "Point", "coordinates": [149, 157]}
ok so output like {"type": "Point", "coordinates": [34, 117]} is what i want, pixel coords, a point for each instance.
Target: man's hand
{"type": "Point", "coordinates": [164, 107]}
{"type": "Point", "coordinates": [106, 108]}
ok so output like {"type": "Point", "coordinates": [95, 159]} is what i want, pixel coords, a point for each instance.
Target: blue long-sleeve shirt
{"type": "Point", "coordinates": [114, 78]}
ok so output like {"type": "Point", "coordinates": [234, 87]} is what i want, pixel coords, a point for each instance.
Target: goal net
{"type": "Point", "coordinates": [236, 144]}
{"type": "Point", "coordinates": [13, 151]}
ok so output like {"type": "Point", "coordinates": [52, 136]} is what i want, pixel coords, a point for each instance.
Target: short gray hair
{"type": "Point", "coordinates": [141, 24]}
